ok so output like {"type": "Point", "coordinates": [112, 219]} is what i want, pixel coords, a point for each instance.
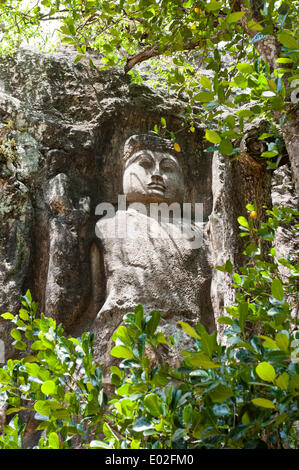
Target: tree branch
{"type": "Point", "coordinates": [154, 51]}
{"type": "Point", "coordinates": [141, 57]}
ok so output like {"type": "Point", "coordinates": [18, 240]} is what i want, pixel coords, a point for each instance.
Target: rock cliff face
{"type": "Point", "coordinates": [62, 131]}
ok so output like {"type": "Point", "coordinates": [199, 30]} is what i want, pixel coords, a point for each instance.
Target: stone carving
{"type": "Point", "coordinates": [61, 155]}
{"type": "Point", "coordinates": [63, 286]}
{"type": "Point", "coordinates": [148, 257]}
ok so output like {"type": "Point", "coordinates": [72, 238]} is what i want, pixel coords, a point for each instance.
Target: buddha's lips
{"type": "Point", "coordinates": [160, 187]}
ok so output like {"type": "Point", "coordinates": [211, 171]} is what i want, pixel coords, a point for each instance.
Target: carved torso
{"type": "Point", "coordinates": [152, 266]}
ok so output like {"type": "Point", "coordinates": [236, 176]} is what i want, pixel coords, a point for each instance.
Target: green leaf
{"type": "Point", "coordinates": [189, 330]}
{"type": "Point", "coordinates": [243, 313]}
{"type": "Point", "coordinates": [161, 339]}
{"type": "Point", "coordinates": [122, 333]}
{"type": "Point", "coordinates": [163, 122]}
{"type": "Point", "coordinates": [263, 402]}
{"type": "Point", "coordinates": [295, 382]}
{"type": "Point", "coordinates": [269, 343]}
{"type": "Point", "coordinates": [225, 320]}
{"type": "Point", "coordinates": [28, 296]}
{"type": "Point", "coordinates": [15, 410]}
{"type": "Point", "coordinates": [205, 82]}
{"type": "Point", "coordinates": [208, 342]}
{"type": "Point", "coordinates": [139, 317]}
{"type": "Point", "coordinates": [204, 97]}
{"type": "Point", "coordinates": [20, 345]}
{"type": "Point", "coordinates": [142, 424]}
{"type": "Point", "coordinates": [265, 371]}
{"type": "Point", "coordinates": [187, 414]}
{"type": "Point", "coordinates": [243, 113]}
{"type": "Point", "coordinates": [7, 316]}
{"type": "Point", "coordinates": [243, 222]}
{"type": "Point", "coordinates": [284, 60]}
{"type": "Point", "coordinates": [244, 67]}
{"type": "Point", "coordinates": [23, 314]}
{"type": "Point", "coordinates": [122, 352]}
{"type": "Point", "coordinates": [160, 380]}
{"type": "Point", "coordinates": [213, 136]}
{"type": "Point", "coordinates": [178, 435]}
{"type": "Point", "coordinates": [201, 360]}
{"type": "Point", "coordinates": [228, 267]}
{"type": "Point", "coordinates": [245, 418]}
{"type": "Point", "coordinates": [283, 381]}
{"type": "Point", "coordinates": [141, 340]}
{"type": "Point", "coordinates": [263, 136]}
{"type": "Point", "coordinates": [53, 440]}
{"type": "Point", "coordinates": [99, 445]}
{"type": "Point", "coordinates": [49, 387]}
{"type": "Point", "coordinates": [238, 432]}
{"type": "Point", "coordinates": [254, 25]}
{"type": "Point", "coordinates": [153, 404]}
{"type": "Point", "coordinates": [277, 289]}
{"type": "Point", "coordinates": [42, 407]}
{"type": "Point", "coordinates": [282, 342]}
{"type": "Point", "coordinates": [115, 370]}
{"type": "Point", "coordinates": [287, 40]}
{"type": "Point", "coordinates": [32, 369]}
{"type": "Point", "coordinates": [230, 121]}
{"type": "Point", "coordinates": [213, 5]}
{"type": "Point", "coordinates": [109, 432]}
{"type": "Point", "coordinates": [78, 58]}
{"type": "Point", "coordinates": [240, 81]}
{"type": "Point", "coordinates": [226, 147]}
{"type": "Point", "coordinates": [220, 393]}
{"type": "Point", "coordinates": [30, 359]}
{"type": "Point", "coordinates": [234, 17]}
{"type": "Point", "coordinates": [61, 414]}
{"type": "Point", "coordinates": [16, 334]}
{"type": "Point", "coordinates": [152, 322]}
{"type": "Point", "coordinates": [237, 278]}
{"type": "Point", "coordinates": [269, 154]}
{"type": "Point", "coordinates": [39, 346]}
{"type": "Point", "coordinates": [64, 29]}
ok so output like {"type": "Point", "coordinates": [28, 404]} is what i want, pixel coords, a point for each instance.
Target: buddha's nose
{"type": "Point", "coordinates": [157, 174]}
{"type": "Point", "coordinates": [157, 178]}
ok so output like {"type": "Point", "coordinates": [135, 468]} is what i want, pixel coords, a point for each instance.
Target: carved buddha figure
{"type": "Point", "coordinates": [146, 260]}
{"type": "Point", "coordinates": [152, 172]}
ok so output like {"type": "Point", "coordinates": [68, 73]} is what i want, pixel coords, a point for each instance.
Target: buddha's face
{"type": "Point", "coordinates": [151, 176]}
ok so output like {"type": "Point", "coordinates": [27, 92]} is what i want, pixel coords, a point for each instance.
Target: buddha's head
{"type": "Point", "coordinates": [152, 172]}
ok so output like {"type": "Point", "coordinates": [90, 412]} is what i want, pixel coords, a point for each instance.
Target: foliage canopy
{"type": "Point", "coordinates": [232, 61]}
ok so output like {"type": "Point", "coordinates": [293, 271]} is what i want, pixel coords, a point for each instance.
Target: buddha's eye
{"type": "Point", "coordinates": [168, 166]}
{"type": "Point", "coordinates": [146, 162]}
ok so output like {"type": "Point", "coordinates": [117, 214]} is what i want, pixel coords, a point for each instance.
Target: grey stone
{"type": "Point", "coordinates": [62, 136]}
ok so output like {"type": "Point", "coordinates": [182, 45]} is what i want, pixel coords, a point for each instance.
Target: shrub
{"type": "Point", "coordinates": [241, 392]}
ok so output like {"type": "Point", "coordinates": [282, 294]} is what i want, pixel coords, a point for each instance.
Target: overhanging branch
{"type": "Point", "coordinates": [141, 57]}
{"type": "Point", "coordinates": [155, 51]}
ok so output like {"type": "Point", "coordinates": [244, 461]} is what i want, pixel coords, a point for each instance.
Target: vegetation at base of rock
{"type": "Point", "coordinates": [241, 394]}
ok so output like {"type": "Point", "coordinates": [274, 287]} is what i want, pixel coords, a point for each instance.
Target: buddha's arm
{"type": "Point", "coordinates": [98, 283]}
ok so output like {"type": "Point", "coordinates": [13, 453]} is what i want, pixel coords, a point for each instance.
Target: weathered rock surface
{"type": "Point", "coordinates": [69, 124]}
